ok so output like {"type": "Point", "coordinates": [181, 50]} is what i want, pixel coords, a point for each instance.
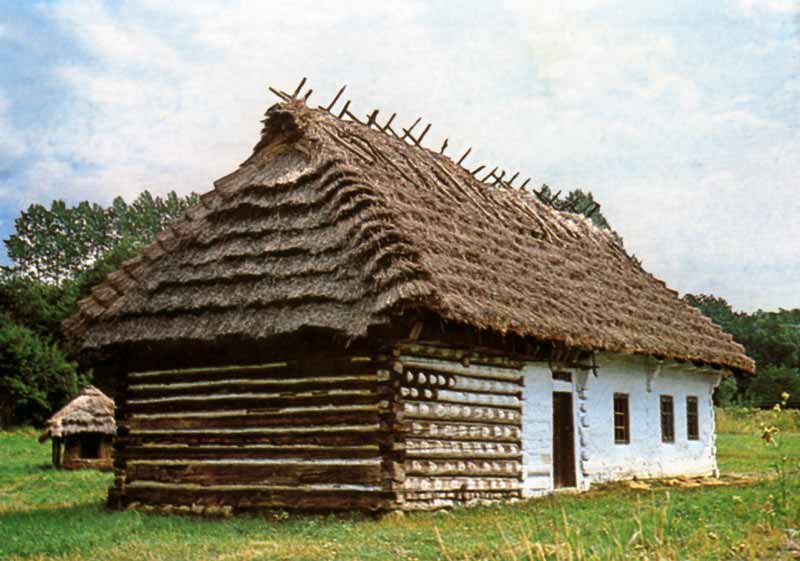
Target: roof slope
{"type": "Point", "coordinates": [334, 224]}
{"type": "Point", "coordinates": [91, 411]}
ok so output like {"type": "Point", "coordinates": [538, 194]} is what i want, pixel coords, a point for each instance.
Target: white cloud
{"type": "Point", "coordinates": [12, 144]}
{"type": "Point", "coordinates": [575, 94]}
{"type": "Point", "coordinates": [751, 7]}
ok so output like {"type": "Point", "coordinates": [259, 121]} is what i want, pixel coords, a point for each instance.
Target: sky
{"type": "Point", "coordinates": [681, 117]}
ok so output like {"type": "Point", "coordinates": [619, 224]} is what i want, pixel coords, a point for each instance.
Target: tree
{"type": "Point", "coordinates": [35, 376]}
{"type": "Point", "coordinates": [726, 392]}
{"type": "Point", "coordinates": [38, 306]}
{"type": "Point", "coordinates": [53, 245]}
{"type": "Point", "coordinates": [765, 390]}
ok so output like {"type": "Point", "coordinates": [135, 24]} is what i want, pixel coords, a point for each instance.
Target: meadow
{"type": "Point", "coordinates": [48, 514]}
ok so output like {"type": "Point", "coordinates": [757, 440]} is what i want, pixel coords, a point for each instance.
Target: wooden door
{"type": "Point", "coordinates": [563, 441]}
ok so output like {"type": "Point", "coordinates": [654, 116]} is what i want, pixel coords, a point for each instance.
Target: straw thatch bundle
{"type": "Point", "coordinates": [92, 411]}
{"type": "Point", "coordinates": [332, 224]}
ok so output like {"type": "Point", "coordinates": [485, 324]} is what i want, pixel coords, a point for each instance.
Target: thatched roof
{"type": "Point", "coordinates": [91, 411]}
{"type": "Point", "coordinates": [337, 225]}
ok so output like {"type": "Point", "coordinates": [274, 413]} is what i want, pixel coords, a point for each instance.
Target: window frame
{"type": "Point", "coordinates": [667, 416]}
{"type": "Point", "coordinates": [625, 427]}
{"type": "Point", "coordinates": [692, 418]}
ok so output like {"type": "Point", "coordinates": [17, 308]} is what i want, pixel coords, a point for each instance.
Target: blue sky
{"type": "Point", "coordinates": [682, 117]}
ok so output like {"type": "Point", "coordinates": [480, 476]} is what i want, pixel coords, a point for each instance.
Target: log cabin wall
{"type": "Point", "coordinates": [308, 434]}
{"type": "Point", "coordinates": [461, 425]}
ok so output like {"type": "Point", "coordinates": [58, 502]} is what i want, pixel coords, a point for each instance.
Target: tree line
{"type": "Point", "coordinates": [772, 339]}
{"type": "Point", "coordinates": [58, 253]}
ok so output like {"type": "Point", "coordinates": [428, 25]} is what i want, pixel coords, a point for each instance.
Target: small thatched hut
{"type": "Point", "coordinates": [86, 428]}
{"type": "Point", "coordinates": [351, 320]}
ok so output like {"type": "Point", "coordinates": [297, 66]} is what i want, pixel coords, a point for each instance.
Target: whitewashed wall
{"type": "Point", "coordinates": [598, 458]}
{"type": "Point", "coordinates": [646, 455]}
{"type": "Point", "coordinates": [537, 430]}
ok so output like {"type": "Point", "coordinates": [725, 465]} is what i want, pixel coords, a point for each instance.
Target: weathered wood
{"type": "Point", "coordinates": [244, 385]}
{"type": "Point", "coordinates": [212, 373]}
{"type": "Point", "coordinates": [318, 367]}
{"type": "Point", "coordinates": [463, 430]}
{"type": "Point", "coordinates": [279, 437]}
{"type": "Point", "coordinates": [251, 451]}
{"type": "Point", "coordinates": [462, 397]}
{"type": "Point", "coordinates": [455, 483]}
{"type": "Point", "coordinates": [432, 379]}
{"type": "Point", "coordinates": [264, 472]}
{"type": "Point", "coordinates": [461, 412]}
{"type": "Point", "coordinates": [478, 448]}
{"type": "Point", "coordinates": [251, 401]}
{"type": "Point", "coordinates": [418, 371]}
{"type": "Point", "coordinates": [464, 468]}
{"type": "Point", "coordinates": [255, 497]}
{"type": "Point", "coordinates": [214, 420]}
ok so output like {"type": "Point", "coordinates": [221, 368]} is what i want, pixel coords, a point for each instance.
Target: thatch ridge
{"type": "Point", "coordinates": [335, 224]}
{"type": "Point", "coordinates": [91, 411]}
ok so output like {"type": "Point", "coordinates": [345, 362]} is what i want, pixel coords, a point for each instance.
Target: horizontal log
{"type": "Point", "coordinates": [276, 370]}
{"type": "Point", "coordinates": [454, 430]}
{"type": "Point", "coordinates": [255, 497]}
{"type": "Point", "coordinates": [415, 501]}
{"type": "Point", "coordinates": [257, 472]}
{"type": "Point", "coordinates": [464, 468]}
{"type": "Point", "coordinates": [212, 373]}
{"type": "Point", "coordinates": [251, 451]}
{"type": "Point", "coordinates": [241, 385]}
{"type": "Point", "coordinates": [302, 418]}
{"type": "Point", "coordinates": [461, 496]}
{"type": "Point", "coordinates": [426, 455]}
{"type": "Point", "coordinates": [445, 411]}
{"type": "Point", "coordinates": [454, 483]}
{"type": "Point", "coordinates": [425, 448]}
{"type": "Point", "coordinates": [428, 378]}
{"type": "Point", "coordinates": [342, 436]}
{"type": "Point", "coordinates": [449, 367]}
{"type": "Point", "coordinates": [251, 402]}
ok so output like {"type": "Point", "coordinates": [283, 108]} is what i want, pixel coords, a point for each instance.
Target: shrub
{"type": "Point", "coordinates": [35, 376]}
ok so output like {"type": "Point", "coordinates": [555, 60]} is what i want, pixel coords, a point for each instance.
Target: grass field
{"type": "Point", "coordinates": [49, 514]}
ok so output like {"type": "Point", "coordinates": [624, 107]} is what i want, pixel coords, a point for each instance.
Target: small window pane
{"type": "Point", "coordinates": [622, 425]}
{"type": "Point", "coordinates": [692, 420]}
{"type": "Point", "coordinates": [667, 419]}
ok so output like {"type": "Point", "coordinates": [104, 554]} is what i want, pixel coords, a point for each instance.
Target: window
{"type": "Point", "coordinates": [667, 419]}
{"type": "Point", "coordinates": [622, 424]}
{"type": "Point", "coordinates": [692, 423]}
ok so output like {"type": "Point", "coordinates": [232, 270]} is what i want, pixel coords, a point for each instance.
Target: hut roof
{"type": "Point", "coordinates": [334, 224]}
{"type": "Point", "coordinates": [90, 411]}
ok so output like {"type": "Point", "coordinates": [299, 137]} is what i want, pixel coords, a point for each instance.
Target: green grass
{"type": "Point", "coordinates": [748, 454]}
{"type": "Point", "coordinates": [749, 421]}
{"type": "Point", "coordinates": [49, 514]}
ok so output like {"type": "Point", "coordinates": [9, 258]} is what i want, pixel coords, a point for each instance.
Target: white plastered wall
{"type": "Point", "coordinates": [598, 458]}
